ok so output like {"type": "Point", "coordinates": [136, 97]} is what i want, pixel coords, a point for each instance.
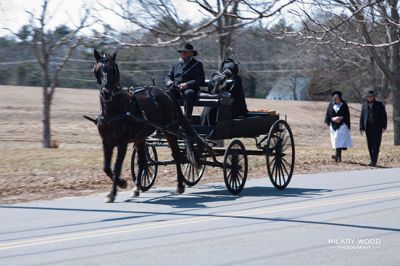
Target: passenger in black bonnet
{"type": "Point", "coordinates": [218, 85]}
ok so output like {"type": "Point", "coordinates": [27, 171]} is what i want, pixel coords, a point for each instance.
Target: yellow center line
{"type": "Point", "coordinates": [185, 221]}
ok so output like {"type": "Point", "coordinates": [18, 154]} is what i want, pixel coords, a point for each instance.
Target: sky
{"type": "Point", "coordinates": [13, 13]}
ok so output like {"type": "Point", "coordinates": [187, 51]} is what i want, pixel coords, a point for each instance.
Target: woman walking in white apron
{"type": "Point", "coordinates": [338, 119]}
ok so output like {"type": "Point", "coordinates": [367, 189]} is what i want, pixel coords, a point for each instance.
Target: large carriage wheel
{"type": "Point", "coordinates": [150, 172]}
{"type": "Point", "coordinates": [192, 174]}
{"type": "Point", "coordinates": [280, 155]}
{"type": "Point", "coordinates": [235, 167]}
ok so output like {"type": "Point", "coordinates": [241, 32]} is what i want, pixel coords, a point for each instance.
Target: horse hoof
{"type": "Point", "coordinates": [122, 183]}
{"type": "Point", "coordinates": [135, 193]}
{"type": "Point", "coordinates": [109, 199]}
{"type": "Point", "coordinates": [180, 190]}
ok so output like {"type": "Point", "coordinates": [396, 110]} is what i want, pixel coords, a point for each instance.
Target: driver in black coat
{"type": "Point", "coordinates": [186, 77]}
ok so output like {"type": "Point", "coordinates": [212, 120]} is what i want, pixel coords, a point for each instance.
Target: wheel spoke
{"type": "Point", "coordinates": [278, 170]}
{"type": "Point", "coordinates": [275, 171]}
{"type": "Point", "coordinates": [185, 170]}
{"type": "Point", "coordinates": [147, 179]}
{"type": "Point", "coordinates": [284, 168]}
{"type": "Point", "coordinates": [237, 182]}
{"type": "Point", "coordinates": [273, 160]}
{"type": "Point", "coordinates": [288, 164]}
{"type": "Point", "coordinates": [231, 181]}
{"type": "Point", "coordinates": [240, 176]}
{"type": "Point", "coordinates": [284, 142]}
{"type": "Point", "coordinates": [192, 172]}
{"type": "Point", "coordinates": [283, 177]}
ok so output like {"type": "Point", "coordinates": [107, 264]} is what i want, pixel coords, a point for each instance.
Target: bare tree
{"type": "Point", "coordinates": [221, 19]}
{"type": "Point", "coordinates": [378, 31]}
{"type": "Point", "coordinates": [46, 46]}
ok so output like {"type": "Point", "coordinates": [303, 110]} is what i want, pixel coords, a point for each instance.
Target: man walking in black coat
{"type": "Point", "coordinates": [373, 121]}
{"type": "Point", "coordinates": [186, 77]}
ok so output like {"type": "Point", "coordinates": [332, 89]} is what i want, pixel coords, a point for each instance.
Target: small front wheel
{"type": "Point", "coordinates": [150, 171]}
{"type": "Point", "coordinates": [192, 174]}
{"type": "Point", "coordinates": [235, 167]}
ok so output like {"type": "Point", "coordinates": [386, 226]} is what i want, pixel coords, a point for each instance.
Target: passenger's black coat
{"type": "Point", "coordinates": [239, 107]}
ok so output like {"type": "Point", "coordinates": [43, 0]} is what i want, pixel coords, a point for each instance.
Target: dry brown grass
{"type": "Point", "coordinates": [29, 172]}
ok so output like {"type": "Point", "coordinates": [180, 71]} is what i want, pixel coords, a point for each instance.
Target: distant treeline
{"type": "Point", "coordinates": [263, 62]}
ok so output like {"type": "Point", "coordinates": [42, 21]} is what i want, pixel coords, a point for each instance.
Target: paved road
{"type": "Point", "coordinates": [343, 218]}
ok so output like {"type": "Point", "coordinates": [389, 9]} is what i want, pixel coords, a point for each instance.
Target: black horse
{"type": "Point", "coordinates": [128, 116]}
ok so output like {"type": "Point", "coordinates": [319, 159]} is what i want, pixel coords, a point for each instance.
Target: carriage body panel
{"type": "Point", "coordinates": [252, 125]}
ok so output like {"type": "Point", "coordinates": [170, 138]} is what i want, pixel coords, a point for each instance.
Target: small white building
{"type": "Point", "coordinates": [290, 88]}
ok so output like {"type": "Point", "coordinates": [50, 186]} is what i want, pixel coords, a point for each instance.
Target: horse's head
{"type": "Point", "coordinates": [106, 71]}
{"type": "Point", "coordinates": [107, 74]}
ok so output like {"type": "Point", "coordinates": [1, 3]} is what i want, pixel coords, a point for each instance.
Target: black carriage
{"type": "Point", "coordinates": [273, 140]}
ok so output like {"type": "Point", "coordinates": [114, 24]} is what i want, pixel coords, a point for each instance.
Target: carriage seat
{"type": "Point", "coordinates": [208, 85]}
{"type": "Point", "coordinates": [208, 99]}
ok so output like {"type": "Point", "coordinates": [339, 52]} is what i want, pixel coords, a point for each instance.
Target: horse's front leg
{"type": "Point", "coordinates": [118, 165]}
{"type": "Point", "coordinates": [107, 154]}
{"type": "Point", "coordinates": [173, 144]}
{"type": "Point", "coordinates": [117, 181]}
{"type": "Point", "coordinates": [142, 161]}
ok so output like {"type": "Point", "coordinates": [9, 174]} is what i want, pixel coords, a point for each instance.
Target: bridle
{"type": "Point", "coordinates": [108, 89]}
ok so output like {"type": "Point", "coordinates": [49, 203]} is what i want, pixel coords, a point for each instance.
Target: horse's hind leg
{"type": "Point", "coordinates": [173, 144]}
{"type": "Point", "coordinates": [140, 148]}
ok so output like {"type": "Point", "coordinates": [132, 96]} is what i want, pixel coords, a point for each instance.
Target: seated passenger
{"type": "Point", "coordinates": [229, 70]}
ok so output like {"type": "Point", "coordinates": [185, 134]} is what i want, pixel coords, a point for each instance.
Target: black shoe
{"type": "Point", "coordinates": [373, 164]}
{"type": "Point", "coordinates": [334, 157]}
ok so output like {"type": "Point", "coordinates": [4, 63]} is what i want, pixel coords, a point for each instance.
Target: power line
{"type": "Point", "coordinates": [254, 62]}
{"type": "Point", "coordinates": [18, 62]}
{"type": "Point", "coordinates": [79, 79]}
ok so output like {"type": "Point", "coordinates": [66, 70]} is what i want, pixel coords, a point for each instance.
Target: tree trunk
{"type": "Point", "coordinates": [396, 109]}
{"type": "Point", "coordinates": [46, 119]}
{"type": "Point", "coordinates": [395, 69]}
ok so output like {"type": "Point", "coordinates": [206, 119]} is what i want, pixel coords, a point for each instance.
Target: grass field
{"type": "Point", "coordinates": [27, 171]}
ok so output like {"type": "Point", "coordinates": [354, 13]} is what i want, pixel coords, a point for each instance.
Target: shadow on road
{"type": "Point", "coordinates": [366, 165]}
{"type": "Point", "coordinates": [220, 194]}
{"type": "Point", "coordinates": [192, 201]}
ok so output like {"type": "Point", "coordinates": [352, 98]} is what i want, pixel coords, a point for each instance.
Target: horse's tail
{"type": "Point", "coordinates": [90, 119]}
